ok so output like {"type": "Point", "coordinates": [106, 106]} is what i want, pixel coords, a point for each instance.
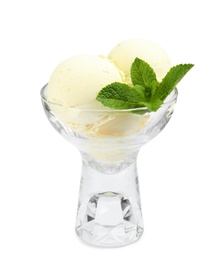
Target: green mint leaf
{"type": "Point", "coordinates": [171, 79]}
{"type": "Point", "coordinates": [143, 74]}
{"type": "Point", "coordinates": [141, 90]}
{"type": "Point", "coordinates": [144, 92]}
{"type": "Point", "coordinates": [154, 104]}
{"type": "Point", "coordinates": [118, 104]}
{"type": "Point", "coordinates": [119, 96]}
{"type": "Point", "coordinates": [147, 92]}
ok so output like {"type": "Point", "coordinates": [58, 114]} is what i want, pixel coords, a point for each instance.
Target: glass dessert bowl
{"type": "Point", "coordinates": [109, 209]}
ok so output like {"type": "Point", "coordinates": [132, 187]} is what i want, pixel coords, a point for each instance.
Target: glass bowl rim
{"type": "Point", "coordinates": [168, 101]}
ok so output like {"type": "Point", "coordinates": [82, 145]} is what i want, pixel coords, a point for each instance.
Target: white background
{"type": "Point", "coordinates": [40, 171]}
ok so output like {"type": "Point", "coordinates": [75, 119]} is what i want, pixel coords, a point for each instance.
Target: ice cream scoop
{"type": "Point", "coordinates": [125, 53]}
{"type": "Point", "coordinates": [76, 81]}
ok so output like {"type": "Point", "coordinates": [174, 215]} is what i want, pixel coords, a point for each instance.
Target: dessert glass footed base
{"type": "Point", "coordinates": [109, 208]}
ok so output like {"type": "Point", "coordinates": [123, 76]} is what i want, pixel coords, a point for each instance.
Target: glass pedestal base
{"type": "Point", "coordinates": [109, 210]}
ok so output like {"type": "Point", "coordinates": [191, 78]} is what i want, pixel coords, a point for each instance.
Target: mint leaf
{"type": "Point", "coordinates": [147, 92]}
{"type": "Point", "coordinates": [141, 91]}
{"type": "Point", "coordinates": [118, 104]}
{"type": "Point", "coordinates": [144, 92]}
{"type": "Point", "coordinates": [171, 79]}
{"type": "Point", "coordinates": [119, 96]}
{"type": "Point", "coordinates": [154, 104]}
{"type": "Point", "coordinates": [142, 74]}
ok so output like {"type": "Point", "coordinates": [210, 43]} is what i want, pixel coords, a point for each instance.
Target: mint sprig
{"type": "Point", "coordinates": [143, 75]}
{"type": "Point", "coordinates": [146, 91]}
{"type": "Point", "coordinates": [171, 79]}
{"type": "Point", "coordinates": [119, 95]}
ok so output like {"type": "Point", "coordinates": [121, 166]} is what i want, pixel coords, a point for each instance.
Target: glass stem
{"type": "Point", "coordinates": [109, 208]}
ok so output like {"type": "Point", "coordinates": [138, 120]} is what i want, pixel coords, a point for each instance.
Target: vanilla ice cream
{"type": "Point", "coordinates": [125, 53]}
{"type": "Point", "coordinates": [76, 81]}
{"type": "Point", "coordinates": [73, 88]}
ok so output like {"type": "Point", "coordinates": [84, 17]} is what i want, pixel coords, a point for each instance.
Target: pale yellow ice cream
{"type": "Point", "coordinates": [72, 91]}
{"type": "Point", "coordinates": [125, 53]}
{"type": "Point", "coordinates": [77, 81]}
